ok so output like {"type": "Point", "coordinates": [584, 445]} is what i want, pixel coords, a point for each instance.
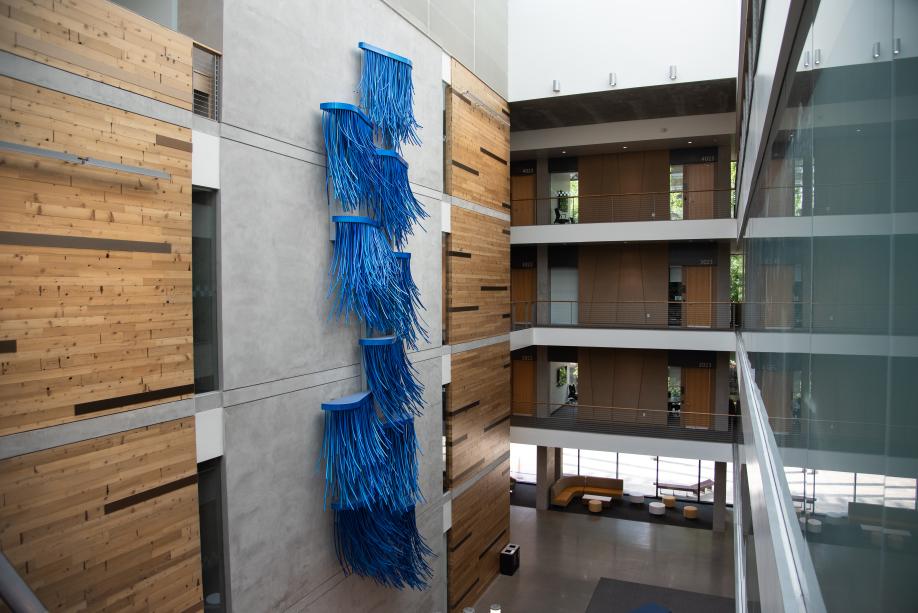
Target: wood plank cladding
{"type": "Point", "coordinates": [631, 381]}
{"type": "Point", "coordinates": [477, 145]}
{"type": "Point", "coordinates": [626, 285]}
{"type": "Point", "coordinates": [109, 523]}
{"type": "Point", "coordinates": [638, 181]}
{"type": "Point", "coordinates": [478, 403]}
{"type": "Point", "coordinates": [481, 528]}
{"type": "Point", "coordinates": [103, 42]}
{"type": "Point", "coordinates": [95, 287]}
{"type": "Point", "coordinates": [478, 283]}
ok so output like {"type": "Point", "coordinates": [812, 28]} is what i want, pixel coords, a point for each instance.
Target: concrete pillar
{"type": "Point", "coordinates": [720, 496]}
{"type": "Point", "coordinates": [543, 285]}
{"type": "Point", "coordinates": [722, 391]}
{"type": "Point", "coordinates": [559, 462]}
{"type": "Point", "coordinates": [543, 380]}
{"type": "Point", "coordinates": [545, 473]}
{"type": "Point", "coordinates": [543, 212]}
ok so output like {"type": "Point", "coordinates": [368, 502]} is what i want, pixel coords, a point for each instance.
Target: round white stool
{"type": "Point", "coordinates": [657, 508]}
{"type": "Point", "coordinates": [636, 498]}
{"type": "Point", "coordinates": [813, 526]}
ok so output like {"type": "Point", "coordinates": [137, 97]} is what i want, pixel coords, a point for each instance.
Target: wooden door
{"type": "Point", "coordinates": [522, 200]}
{"type": "Point", "coordinates": [779, 290]}
{"type": "Point", "coordinates": [524, 394]}
{"type": "Point", "coordinates": [699, 186]}
{"type": "Point", "coordinates": [777, 394]}
{"type": "Point", "coordinates": [523, 295]}
{"type": "Point", "coordinates": [698, 397]}
{"type": "Point", "coordinates": [698, 309]}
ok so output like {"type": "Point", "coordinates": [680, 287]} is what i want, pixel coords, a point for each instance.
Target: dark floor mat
{"type": "Point", "coordinates": [613, 596]}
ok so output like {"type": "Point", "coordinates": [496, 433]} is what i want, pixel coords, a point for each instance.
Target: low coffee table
{"type": "Point", "coordinates": [603, 500]}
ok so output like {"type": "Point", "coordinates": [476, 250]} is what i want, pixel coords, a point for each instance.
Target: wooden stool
{"type": "Point", "coordinates": [690, 512]}
{"type": "Point", "coordinates": [595, 506]}
{"type": "Point", "coordinates": [669, 501]}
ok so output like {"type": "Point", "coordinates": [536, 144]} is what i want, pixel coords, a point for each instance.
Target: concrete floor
{"type": "Point", "coordinates": [563, 555]}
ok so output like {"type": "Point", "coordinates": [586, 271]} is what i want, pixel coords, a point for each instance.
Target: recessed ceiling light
{"type": "Point", "coordinates": [563, 151]}
{"type": "Point", "coordinates": [690, 142]}
{"type": "Point", "coordinates": [624, 146]}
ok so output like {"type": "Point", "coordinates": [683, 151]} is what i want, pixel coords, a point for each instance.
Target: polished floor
{"type": "Point", "coordinates": [564, 555]}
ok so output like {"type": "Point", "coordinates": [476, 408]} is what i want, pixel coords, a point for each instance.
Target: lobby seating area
{"type": "Point", "coordinates": [566, 489]}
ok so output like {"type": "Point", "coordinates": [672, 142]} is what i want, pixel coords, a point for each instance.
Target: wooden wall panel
{"type": "Point", "coordinates": [478, 295]}
{"type": "Point", "coordinates": [477, 147]}
{"type": "Point", "coordinates": [627, 380]}
{"type": "Point", "coordinates": [478, 411]}
{"type": "Point", "coordinates": [523, 193]}
{"type": "Point", "coordinates": [481, 528]}
{"type": "Point", "coordinates": [109, 523]}
{"type": "Point", "coordinates": [101, 41]}
{"type": "Point", "coordinates": [623, 284]}
{"type": "Point", "coordinates": [522, 293]}
{"type": "Point", "coordinates": [95, 288]}
{"type": "Point", "coordinates": [633, 186]}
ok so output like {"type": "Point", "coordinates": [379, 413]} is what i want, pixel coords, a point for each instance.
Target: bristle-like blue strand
{"type": "Point", "coordinates": [412, 328]}
{"type": "Point", "coordinates": [387, 95]}
{"type": "Point", "coordinates": [395, 207]}
{"type": "Point", "coordinates": [392, 378]}
{"type": "Point", "coordinates": [364, 275]}
{"type": "Point", "coordinates": [403, 490]}
{"type": "Point", "coordinates": [354, 451]}
{"type": "Point", "coordinates": [350, 166]}
{"type": "Point", "coordinates": [384, 546]}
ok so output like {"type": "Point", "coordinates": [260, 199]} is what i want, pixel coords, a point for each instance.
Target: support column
{"type": "Point", "coordinates": [720, 496]}
{"type": "Point", "coordinates": [722, 391]}
{"type": "Point", "coordinates": [543, 285]}
{"type": "Point", "coordinates": [543, 378]}
{"type": "Point", "coordinates": [545, 471]}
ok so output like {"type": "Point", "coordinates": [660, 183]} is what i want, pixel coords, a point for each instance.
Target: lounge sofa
{"type": "Point", "coordinates": [565, 489]}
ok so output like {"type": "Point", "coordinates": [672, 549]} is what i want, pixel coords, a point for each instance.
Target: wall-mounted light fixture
{"type": "Point", "coordinates": [897, 46]}
{"type": "Point", "coordinates": [672, 72]}
{"type": "Point", "coordinates": [876, 50]}
{"type": "Point", "coordinates": [613, 79]}
{"type": "Point", "coordinates": [556, 86]}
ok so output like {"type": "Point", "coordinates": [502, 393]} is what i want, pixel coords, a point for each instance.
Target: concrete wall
{"type": "Point", "coordinates": [472, 31]}
{"type": "Point", "coordinates": [281, 356]}
{"type": "Point", "coordinates": [580, 42]}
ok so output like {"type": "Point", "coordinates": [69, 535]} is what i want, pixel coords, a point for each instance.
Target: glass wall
{"type": "Point", "coordinates": [204, 289]}
{"type": "Point", "coordinates": [831, 296]}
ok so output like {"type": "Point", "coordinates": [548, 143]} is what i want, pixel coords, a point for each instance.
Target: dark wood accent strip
{"type": "Point", "coordinates": [469, 470]}
{"type": "Point", "coordinates": [464, 594]}
{"type": "Point", "coordinates": [463, 97]}
{"type": "Point", "coordinates": [456, 442]}
{"type": "Point", "coordinates": [494, 288]}
{"type": "Point", "coordinates": [461, 309]}
{"type": "Point", "coordinates": [470, 405]}
{"type": "Point", "coordinates": [156, 492]}
{"type": "Point", "coordinates": [507, 365]}
{"type": "Point", "coordinates": [28, 239]}
{"type": "Point", "coordinates": [506, 231]}
{"type": "Point", "coordinates": [458, 254]}
{"type": "Point", "coordinates": [491, 155]}
{"type": "Point", "coordinates": [175, 143]}
{"type": "Point", "coordinates": [198, 606]}
{"type": "Point", "coordinates": [496, 423]}
{"type": "Point", "coordinates": [505, 315]}
{"type": "Point", "coordinates": [505, 111]}
{"type": "Point", "coordinates": [507, 206]}
{"type": "Point", "coordinates": [466, 168]}
{"type": "Point", "coordinates": [496, 538]}
{"type": "Point", "coordinates": [119, 401]}
{"type": "Point", "coordinates": [8, 346]}
{"type": "Point", "coordinates": [460, 543]}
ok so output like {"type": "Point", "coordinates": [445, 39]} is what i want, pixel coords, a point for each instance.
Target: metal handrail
{"type": "Point", "coordinates": [612, 195]}
{"type": "Point", "coordinates": [82, 160]}
{"type": "Point", "coordinates": [206, 82]}
{"type": "Point", "coordinates": [15, 592]}
{"type": "Point", "coordinates": [660, 314]}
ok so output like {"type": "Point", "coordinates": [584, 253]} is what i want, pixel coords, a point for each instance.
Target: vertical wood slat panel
{"type": "Point", "coordinates": [109, 523]}
{"type": "Point", "coordinates": [95, 265]}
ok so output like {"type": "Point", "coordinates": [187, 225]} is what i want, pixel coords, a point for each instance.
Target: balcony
{"type": "Point", "coordinates": [649, 216]}
{"type": "Point", "coordinates": [660, 315]}
{"type": "Point", "coordinates": [205, 81]}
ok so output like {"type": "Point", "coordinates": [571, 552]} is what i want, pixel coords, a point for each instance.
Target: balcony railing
{"type": "Point", "coordinates": [638, 314]}
{"type": "Point", "coordinates": [205, 81]}
{"type": "Point", "coordinates": [658, 423]}
{"type": "Point", "coordinates": [643, 206]}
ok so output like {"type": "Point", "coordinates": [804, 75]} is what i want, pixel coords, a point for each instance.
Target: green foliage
{"type": "Point", "coordinates": [736, 277]}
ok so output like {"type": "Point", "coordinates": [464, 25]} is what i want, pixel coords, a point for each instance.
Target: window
{"type": "Point", "coordinates": [210, 509]}
{"type": "Point", "coordinates": [565, 189]}
{"type": "Point", "coordinates": [204, 290]}
{"type": "Point", "coordinates": [523, 462]}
